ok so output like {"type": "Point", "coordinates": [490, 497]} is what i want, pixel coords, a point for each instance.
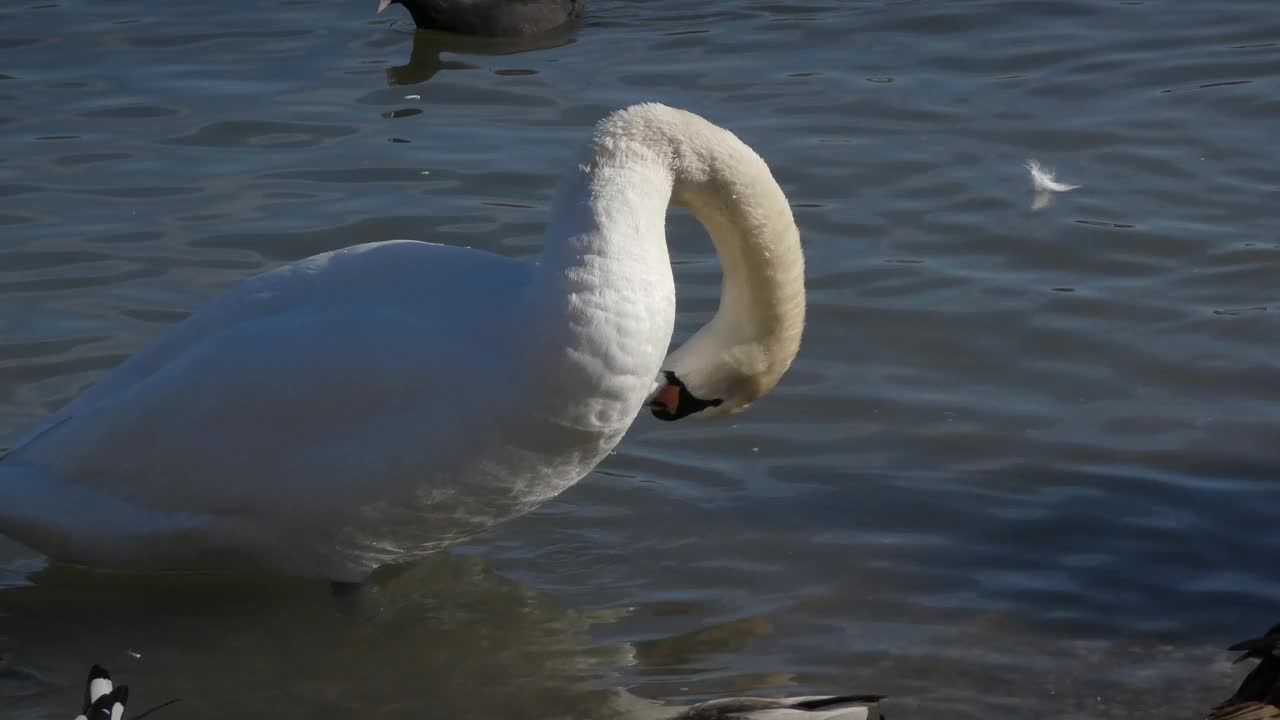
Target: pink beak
{"type": "Point", "coordinates": [382, 5]}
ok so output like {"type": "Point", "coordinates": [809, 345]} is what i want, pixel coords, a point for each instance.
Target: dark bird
{"type": "Point", "coordinates": [102, 700]}
{"type": "Point", "coordinates": [430, 49]}
{"type": "Point", "coordinates": [1258, 697]}
{"type": "Point", "coordinates": [490, 18]}
{"type": "Point", "coordinates": [817, 707]}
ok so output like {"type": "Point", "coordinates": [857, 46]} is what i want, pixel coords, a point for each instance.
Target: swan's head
{"type": "Point", "coordinates": [728, 364]}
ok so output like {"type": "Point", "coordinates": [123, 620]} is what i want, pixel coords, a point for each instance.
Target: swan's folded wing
{"type": "Point", "coordinates": [435, 277]}
{"type": "Point", "coordinates": [221, 423]}
{"type": "Point", "coordinates": [288, 410]}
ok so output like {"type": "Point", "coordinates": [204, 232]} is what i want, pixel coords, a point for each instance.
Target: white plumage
{"type": "Point", "coordinates": [376, 403]}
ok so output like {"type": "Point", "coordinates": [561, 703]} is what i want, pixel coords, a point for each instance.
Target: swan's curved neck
{"type": "Point", "coordinates": [605, 271]}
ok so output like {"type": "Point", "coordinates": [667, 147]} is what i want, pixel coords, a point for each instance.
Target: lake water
{"type": "Point", "coordinates": [1025, 465]}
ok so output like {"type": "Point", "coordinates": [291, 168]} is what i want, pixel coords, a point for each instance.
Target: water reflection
{"type": "Point", "coordinates": [454, 640]}
{"type": "Point", "coordinates": [425, 58]}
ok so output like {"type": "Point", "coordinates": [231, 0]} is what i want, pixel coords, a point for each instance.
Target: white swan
{"type": "Point", "coordinates": [377, 403]}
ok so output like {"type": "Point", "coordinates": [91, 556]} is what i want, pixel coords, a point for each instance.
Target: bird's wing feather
{"type": "Point", "coordinates": [1245, 711]}
{"type": "Point", "coordinates": [817, 707]}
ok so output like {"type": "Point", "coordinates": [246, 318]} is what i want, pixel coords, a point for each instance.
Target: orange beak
{"type": "Point", "coordinates": [668, 397]}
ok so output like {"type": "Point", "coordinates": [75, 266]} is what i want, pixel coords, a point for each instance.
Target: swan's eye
{"type": "Point", "coordinates": [674, 400]}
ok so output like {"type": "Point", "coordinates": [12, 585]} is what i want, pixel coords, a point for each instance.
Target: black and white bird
{"type": "Point", "coordinates": [102, 699]}
{"type": "Point", "coordinates": [1258, 697]}
{"type": "Point", "coordinates": [813, 707]}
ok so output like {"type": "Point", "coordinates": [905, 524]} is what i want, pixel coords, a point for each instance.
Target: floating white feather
{"type": "Point", "coordinates": [1043, 180]}
{"type": "Point", "coordinates": [1044, 184]}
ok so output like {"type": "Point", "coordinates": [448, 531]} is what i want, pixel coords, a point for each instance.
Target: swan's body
{"type": "Point", "coordinates": [489, 18]}
{"type": "Point", "coordinates": [377, 403]}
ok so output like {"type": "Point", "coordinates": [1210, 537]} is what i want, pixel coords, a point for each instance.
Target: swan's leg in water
{"type": "Point", "coordinates": [357, 600]}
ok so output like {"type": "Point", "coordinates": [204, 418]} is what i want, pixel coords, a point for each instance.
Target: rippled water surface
{"type": "Point", "coordinates": [1024, 465]}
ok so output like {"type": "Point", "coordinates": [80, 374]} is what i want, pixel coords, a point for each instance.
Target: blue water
{"type": "Point", "coordinates": [1024, 464]}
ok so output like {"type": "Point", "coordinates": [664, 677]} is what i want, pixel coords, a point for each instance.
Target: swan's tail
{"type": "Point", "coordinates": [36, 511]}
{"type": "Point", "coordinates": [74, 522]}
{"type": "Point", "coordinates": [102, 701]}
